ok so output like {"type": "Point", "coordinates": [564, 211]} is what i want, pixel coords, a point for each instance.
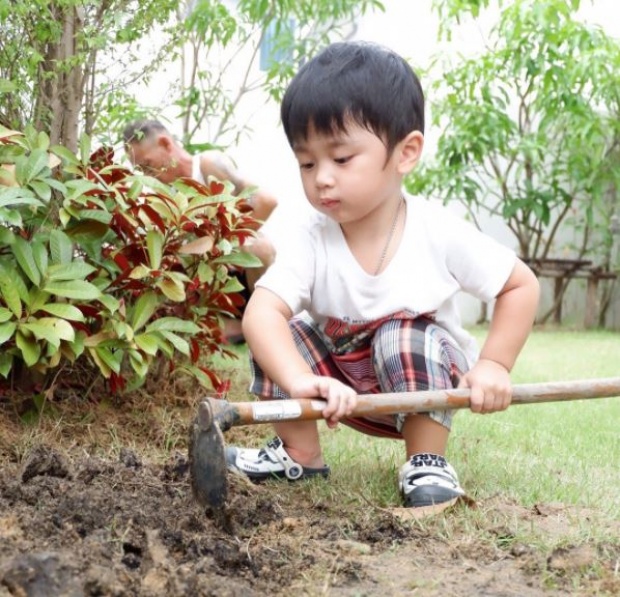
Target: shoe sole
{"type": "Point", "coordinates": [431, 496]}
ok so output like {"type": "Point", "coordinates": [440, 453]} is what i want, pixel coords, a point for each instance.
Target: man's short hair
{"type": "Point", "coordinates": [365, 82]}
{"type": "Point", "coordinates": [137, 131]}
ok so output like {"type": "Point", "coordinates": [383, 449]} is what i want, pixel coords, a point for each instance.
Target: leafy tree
{"type": "Point", "coordinates": [69, 66]}
{"type": "Point", "coordinates": [530, 128]}
{"type": "Point", "coordinates": [61, 61]}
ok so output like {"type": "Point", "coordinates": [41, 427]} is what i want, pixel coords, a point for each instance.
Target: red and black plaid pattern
{"type": "Point", "coordinates": [401, 353]}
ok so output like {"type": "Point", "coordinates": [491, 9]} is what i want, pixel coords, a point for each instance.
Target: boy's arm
{"type": "Point", "coordinates": [267, 333]}
{"type": "Point", "coordinates": [513, 317]}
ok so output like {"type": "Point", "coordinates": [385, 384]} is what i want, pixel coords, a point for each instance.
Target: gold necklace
{"type": "Point", "coordinates": [390, 236]}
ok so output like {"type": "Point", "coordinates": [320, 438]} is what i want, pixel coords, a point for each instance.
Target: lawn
{"type": "Point", "coordinates": [556, 452]}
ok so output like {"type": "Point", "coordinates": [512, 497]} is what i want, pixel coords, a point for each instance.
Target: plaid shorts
{"type": "Point", "coordinates": [400, 355]}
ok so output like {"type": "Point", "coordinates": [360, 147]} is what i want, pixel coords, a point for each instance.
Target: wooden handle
{"type": "Point", "coordinates": [271, 411]}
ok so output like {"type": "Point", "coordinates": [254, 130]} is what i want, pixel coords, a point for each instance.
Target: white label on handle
{"type": "Point", "coordinates": [280, 410]}
{"type": "Point", "coordinates": [276, 410]}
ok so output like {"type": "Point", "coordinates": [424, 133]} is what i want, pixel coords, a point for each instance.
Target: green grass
{"type": "Point", "coordinates": [539, 453]}
{"type": "Point", "coordinates": [566, 452]}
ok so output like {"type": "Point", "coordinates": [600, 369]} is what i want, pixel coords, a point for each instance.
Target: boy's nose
{"type": "Point", "coordinates": [324, 176]}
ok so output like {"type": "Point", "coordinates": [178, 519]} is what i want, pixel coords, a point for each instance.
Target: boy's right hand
{"type": "Point", "coordinates": [341, 399]}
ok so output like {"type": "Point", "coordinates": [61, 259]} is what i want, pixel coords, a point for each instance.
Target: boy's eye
{"type": "Point", "coordinates": [343, 160]}
{"type": "Point", "coordinates": [306, 165]}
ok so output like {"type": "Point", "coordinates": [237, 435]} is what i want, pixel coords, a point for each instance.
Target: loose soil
{"type": "Point", "coordinates": [89, 507]}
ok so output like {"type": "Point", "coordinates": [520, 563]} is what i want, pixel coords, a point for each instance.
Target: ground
{"type": "Point", "coordinates": [95, 503]}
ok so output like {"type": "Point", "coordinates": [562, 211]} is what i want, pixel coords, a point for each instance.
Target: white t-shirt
{"type": "Point", "coordinates": [439, 256]}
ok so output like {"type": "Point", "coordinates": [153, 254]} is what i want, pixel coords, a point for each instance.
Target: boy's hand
{"type": "Point", "coordinates": [341, 399]}
{"type": "Point", "coordinates": [490, 386]}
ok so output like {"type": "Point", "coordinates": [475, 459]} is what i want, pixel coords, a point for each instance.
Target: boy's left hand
{"type": "Point", "coordinates": [489, 383]}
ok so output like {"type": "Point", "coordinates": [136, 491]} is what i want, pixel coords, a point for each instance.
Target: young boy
{"type": "Point", "coordinates": [377, 272]}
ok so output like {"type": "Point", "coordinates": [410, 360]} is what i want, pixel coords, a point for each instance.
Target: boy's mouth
{"type": "Point", "coordinates": [329, 203]}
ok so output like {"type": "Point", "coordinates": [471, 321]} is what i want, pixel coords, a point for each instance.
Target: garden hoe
{"type": "Point", "coordinates": [207, 461]}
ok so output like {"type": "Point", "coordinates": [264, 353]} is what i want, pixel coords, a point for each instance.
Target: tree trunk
{"type": "Point", "coordinates": [61, 81]}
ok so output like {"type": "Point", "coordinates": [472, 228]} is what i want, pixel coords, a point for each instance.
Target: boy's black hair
{"type": "Point", "coordinates": [366, 82]}
{"type": "Point", "coordinates": [139, 130]}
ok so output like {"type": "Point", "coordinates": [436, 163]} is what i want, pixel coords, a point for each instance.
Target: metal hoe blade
{"type": "Point", "coordinates": [207, 461]}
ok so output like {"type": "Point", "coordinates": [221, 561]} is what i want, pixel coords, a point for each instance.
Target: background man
{"type": "Point", "coordinates": [152, 148]}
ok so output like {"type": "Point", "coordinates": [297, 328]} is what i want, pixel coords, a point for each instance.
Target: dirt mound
{"type": "Point", "coordinates": [82, 526]}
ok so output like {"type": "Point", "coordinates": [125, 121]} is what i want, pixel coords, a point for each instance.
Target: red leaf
{"type": "Point", "coordinates": [122, 261]}
{"type": "Point", "coordinates": [117, 382]}
{"type": "Point", "coordinates": [194, 350]}
{"type": "Point", "coordinates": [154, 217]}
{"type": "Point", "coordinates": [216, 188]}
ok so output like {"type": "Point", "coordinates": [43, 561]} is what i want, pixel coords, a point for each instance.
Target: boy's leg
{"type": "Point", "coordinates": [423, 434]}
{"type": "Point", "coordinates": [414, 355]}
{"type": "Point", "coordinates": [301, 440]}
{"type": "Point", "coordinates": [297, 442]}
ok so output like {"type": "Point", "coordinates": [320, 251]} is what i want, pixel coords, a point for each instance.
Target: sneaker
{"type": "Point", "coordinates": [272, 461]}
{"type": "Point", "coordinates": [428, 479]}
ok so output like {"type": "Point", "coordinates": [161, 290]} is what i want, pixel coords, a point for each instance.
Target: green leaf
{"type": "Point", "coordinates": [173, 324]}
{"type": "Point", "coordinates": [111, 303]}
{"type": "Point", "coordinates": [36, 299]}
{"type": "Point", "coordinates": [63, 329]}
{"type": "Point", "coordinates": [138, 363]}
{"type": "Point", "coordinates": [30, 167]}
{"type": "Point", "coordinates": [148, 343]}
{"type": "Point", "coordinates": [42, 332]}
{"type": "Point", "coordinates": [122, 330]}
{"type": "Point", "coordinates": [65, 154]}
{"type": "Point", "coordinates": [5, 314]}
{"type": "Point", "coordinates": [84, 149]}
{"type": "Point", "coordinates": [7, 330]}
{"type": "Point", "coordinates": [200, 375]}
{"type": "Point", "coordinates": [96, 215]}
{"type": "Point", "coordinates": [179, 343]}
{"type": "Point", "coordinates": [240, 258]}
{"type": "Point", "coordinates": [22, 251]}
{"type": "Point", "coordinates": [77, 346]}
{"type": "Point", "coordinates": [232, 285]}
{"type": "Point", "coordinates": [6, 363]}
{"type": "Point", "coordinates": [143, 309]}
{"type": "Point", "coordinates": [11, 217]}
{"type": "Point", "coordinates": [70, 271]}
{"type": "Point", "coordinates": [154, 245]}
{"type": "Point", "coordinates": [39, 252]}
{"type": "Point", "coordinates": [61, 247]}
{"type": "Point", "coordinates": [42, 189]}
{"type": "Point", "coordinates": [43, 141]}
{"type": "Point", "coordinates": [7, 237]}
{"type": "Point", "coordinates": [73, 289]}
{"type": "Point", "coordinates": [10, 294]}
{"type": "Point", "coordinates": [63, 310]}
{"type": "Point", "coordinates": [140, 272]}
{"type": "Point", "coordinates": [14, 196]}
{"type": "Point", "coordinates": [30, 349]}
{"type": "Point", "coordinates": [172, 290]}
{"type": "Point", "coordinates": [104, 368]}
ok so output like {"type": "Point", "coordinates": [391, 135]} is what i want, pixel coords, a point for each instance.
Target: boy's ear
{"type": "Point", "coordinates": [410, 150]}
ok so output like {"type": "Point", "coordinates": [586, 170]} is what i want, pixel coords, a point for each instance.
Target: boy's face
{"type": "Point", "coordinates": [347, 175]}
